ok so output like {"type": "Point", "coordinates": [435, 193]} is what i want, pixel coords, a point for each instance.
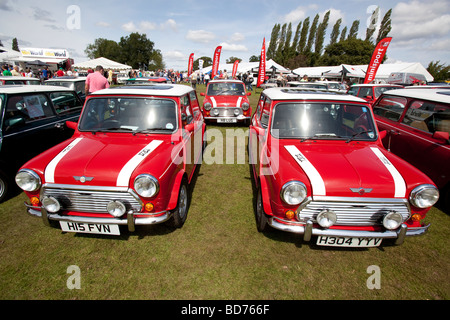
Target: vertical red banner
{"type": "Point", "coordinates": [216, 59]}
{"type": "Point", "coordinates": [377, 58]}
{"type": "Point", "coordinates": [191, 64]}
{"type": "Point", "coordinates": [235, 67]}
{"type": "Point", "coordinates": [262, 65]}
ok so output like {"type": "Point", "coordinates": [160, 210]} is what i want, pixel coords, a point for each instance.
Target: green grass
{"type": "Point", "coordinates": [218, 254]}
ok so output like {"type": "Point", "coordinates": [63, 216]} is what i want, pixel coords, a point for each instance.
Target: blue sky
{"type": "Point", "coordinates": [421, 29]}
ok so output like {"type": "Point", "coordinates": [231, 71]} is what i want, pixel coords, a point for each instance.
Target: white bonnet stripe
{"type": "Point", "coordinates": [399, 183]}
{"type": "Point", "coordinates": [51, 167]}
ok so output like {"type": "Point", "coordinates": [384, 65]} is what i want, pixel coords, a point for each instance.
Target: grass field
{"type": "Point", "coordinates": [218, 254]}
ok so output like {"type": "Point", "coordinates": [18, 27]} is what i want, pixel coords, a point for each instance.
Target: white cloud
{"type": "Point", "coordinates": [174, 55]}
{"type": "Point", "coordinates": [103, 24]}
{"type": "Point", "coordinates": [200, 36]}
{"type": "Point", "coordinates": [237, 37]}
{"type": "Point", "coordinates": [295, 15]}
{"type": "Point", "coordinates": [169, 24]}
{"type": "Point", "coordinates": [129, 27]}
{"type": "Point", "coordinates": [147, 25]}
{"type": "Point", "coordinates": [233, 47]}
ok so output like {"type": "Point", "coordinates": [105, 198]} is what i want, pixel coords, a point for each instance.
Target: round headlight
{"type": "Point", "coordinates": [326, 218]}
{"type": "Point", "coordinates": [28, 180]}
{"type": "Point", "coordinates": [293, 192]}
{"type": "Point", "coordinates": [146, 185]}
{"type": "Point", "coordinates": [51, 204]}
{"type": "Point", "coordinates": [207, 106]}
{"type": "Point", "coordinates": [116, 208]}
{"type": "Point", "coordinates": [245, 106]}
{"type": "Point", "coordinates": [392, 220]}
{"type": "Point", "coordinates": [424, 196]}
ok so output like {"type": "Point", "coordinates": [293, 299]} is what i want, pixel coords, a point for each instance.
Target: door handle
{"type": "Point", "coordinates": [59, 125]}
{"type": "Point", "coordinates": [395, 132]}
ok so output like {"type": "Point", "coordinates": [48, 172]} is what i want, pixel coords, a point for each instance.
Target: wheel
{"type": "Point", "coordinates": [261, 218]}
{"type": "Point", "coordinates": [181, 211]}
{"type": "Point", "coordinates": [4, 187]}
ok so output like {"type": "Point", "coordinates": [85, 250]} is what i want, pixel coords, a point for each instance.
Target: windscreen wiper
{"type": "Point", "coordinates": [357, 134]}
{"type": "Point", "coordinates": [151, 129]}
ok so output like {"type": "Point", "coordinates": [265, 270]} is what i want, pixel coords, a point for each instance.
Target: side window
{"type": "Point", "coordinates": [364, 92]}
{"type": "Point", "coordinates": [266, 113]}
{"type": "Point", "coordinates": [80, 87]}
{"type": "Point", "coordinates": [65, 102]}
{"type": "Point", "coordinates": [428, 116]}
{"type": "Point", "coordinates": [186, 112]}
{"type": "Point", "coordinates": [27, 108]}
{"type": "Point", "coordinates": [194, 103]}
{"type": "Point", "coordinates": [390, 107]}
{"type": "Point", "coordinates": [260, 106]}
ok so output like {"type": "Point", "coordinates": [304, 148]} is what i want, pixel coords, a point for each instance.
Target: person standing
{"type": "Point", "coordinates": [15, 72]}
{"type": "Point", "coordinates": [96, 81]}
{"type": "Point", "coordinates": [6, 71]}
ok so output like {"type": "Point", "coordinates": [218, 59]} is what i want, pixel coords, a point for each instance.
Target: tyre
{"type": "Point", "coordinates": [4, 187]}
{"type": "Point", "coordinates": [260, 216]}
{"type": "Point", "coordinates": [181, 211]}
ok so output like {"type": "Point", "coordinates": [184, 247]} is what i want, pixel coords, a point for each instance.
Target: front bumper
{"type": "Point", "coordinates": [308, 230]}
{"type": "Point", "coordinates": [238, 118]}
{"type": "Point", "coordinates": [130, 219]}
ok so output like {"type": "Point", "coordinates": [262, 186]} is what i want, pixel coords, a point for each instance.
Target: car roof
{"type": "Point", "coordinates": [17, 78]}
{"type": "Point", "coordinates": [12, 89]}
{"type": "Point", "coordinates": [66, 79]}
{"type": "Point", "coordinates": [169, 90]}
{"type": "Point", "coordinates": [294, 93]}
{"type": "Point", "coordinates": [225, 80]}
{"type": "Point", "coordinates": [438, 95]}
{"type": "Point", "coordinates": [377, 85]}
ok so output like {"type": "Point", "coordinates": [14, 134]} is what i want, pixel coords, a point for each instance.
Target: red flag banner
{"type": "Point", "coordinates": [262, 65]}
{"type": "Point", "coordinates": [215, 66]}
{"type": "Point", "coordinates": [377, 58]}
{"type": "Point", "coordinates": [235, 67]}
{"type": "Point", "coordinates": [191, 64]}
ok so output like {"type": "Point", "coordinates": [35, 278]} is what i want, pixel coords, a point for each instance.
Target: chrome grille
{"type": "Point", "coordinates": [91, 199]}
{"type": "Point", "coordinates": [226, 112]}
{"type": "Point", "coordinates": [355, 212]}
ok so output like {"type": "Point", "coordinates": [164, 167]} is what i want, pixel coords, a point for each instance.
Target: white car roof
{"type": "Point", "coordinates": [438, 95]}
{"type": "Point", "coordinates": [66, 79]}
{"type": "Point", "coordinates": [225, 80]}
{"type": "Point", "coordinates": [165, 89]}
{"type": "Point", "coordinates": [376, 85]}
{"type": "Point", "coordinates": [294, 93]}
{"type": "Point", "coordinates": [13, 89]}
{"type": "Point", "coordinates": [17, 78]}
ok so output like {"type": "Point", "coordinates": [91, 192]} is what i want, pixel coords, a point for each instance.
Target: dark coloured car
{"type": "Point", "coordinates": [32, 119]}
{"type": "Point", "coordinates": [417, 122]}
{"type": "Point", "coordinates": [73, 83]}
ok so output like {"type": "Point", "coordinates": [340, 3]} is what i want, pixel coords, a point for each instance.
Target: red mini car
{"type": "Point", "coordinates": [321, 170]}
{"type": "Point", "coordinates": [371, 92]}
{"type": "Point", "coordinates": [418, 126]}
{"type": "Point", "coordinates": [226, 102]}
{"type": "Point", "coordinates": [130, 162]}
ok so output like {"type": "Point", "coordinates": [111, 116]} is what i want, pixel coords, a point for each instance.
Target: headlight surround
{"type": "Point", "coordinates": [146, 185]}
{"type": "Point", "coordinates": [207, 106]}
{"type": "Point", "coordinates": [293, 192]}
{"type": "Point", "coordinates": [424, 196]}
{"type": "Point", "coordinates": [28, 180]}
{"type": "Point", "coordinates": [245, 106]}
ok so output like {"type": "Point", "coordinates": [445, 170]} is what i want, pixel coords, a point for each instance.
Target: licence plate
{"type": "Point", "coordinates": [226, 120]}
{"type": "Point", "coordinates": [348, 242]}
{"type": "Point", "coordinates": [95, 228]}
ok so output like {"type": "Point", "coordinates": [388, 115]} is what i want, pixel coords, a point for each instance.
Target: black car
{"type": "Point", "coordinates": [73, 83]}
{"type": "Point", "coordinates": [32, 119]}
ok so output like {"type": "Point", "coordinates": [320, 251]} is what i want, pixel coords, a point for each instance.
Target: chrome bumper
{"type": "Point", "coordinates": [238, 118]}
{"type": "Point", "coordinates": [308, 231]}
{"type": "Point", "coordinates": [131, 221]}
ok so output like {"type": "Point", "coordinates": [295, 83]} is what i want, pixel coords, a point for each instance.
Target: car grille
{"type": "Point", "coordinates": [356, 212]}
{"type": "Point", "coordinates": [92, 200]}
{"type": "Point", "coordinates": [226, 112]}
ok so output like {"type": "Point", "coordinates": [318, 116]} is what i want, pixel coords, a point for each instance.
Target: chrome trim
{"type": "Point", "coordinates": [308, 231]}
{"type": "Point", "coordinates": [287, 184]}
{"type": "Point", "coordinates": [34, 175]}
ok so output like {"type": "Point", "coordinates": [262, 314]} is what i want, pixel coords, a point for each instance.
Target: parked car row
{"type": "Point", "coordinates": [319, 162]}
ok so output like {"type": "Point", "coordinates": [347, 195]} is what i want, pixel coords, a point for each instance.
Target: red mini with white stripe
{"type": "Point", "coordinates": [321, 171]}
{"type": "Point", "coordinates": [129, 162]}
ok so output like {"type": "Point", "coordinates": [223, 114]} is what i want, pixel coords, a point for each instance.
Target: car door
{"type": "Point", "coordinates": [67, 106]}
{"type": "Point", "coordinates": [188, 126]}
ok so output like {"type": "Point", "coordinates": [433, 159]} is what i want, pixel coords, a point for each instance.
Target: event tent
{"type": "Point", "coordinates": [359, 71]}
{"type": "Point", "coordinates": [248, 66]}
{"type": "Point", "coordinates": [104, 62]}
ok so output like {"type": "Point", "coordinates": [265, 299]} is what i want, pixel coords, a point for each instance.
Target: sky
{"type": "Point", "coordinates": [420, 29]}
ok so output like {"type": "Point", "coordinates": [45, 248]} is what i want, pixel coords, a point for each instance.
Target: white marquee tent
{"type": "Point", "coordinates": [104, 62]}
{"type": "Point", "coordinates": [248, 66]}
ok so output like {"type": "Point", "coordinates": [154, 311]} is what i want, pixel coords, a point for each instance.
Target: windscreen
{"type": "Point", "coordinates": [322, 121]}
{"type": "Point", "coordinates": [226, 89]}
{"type": "Point", "coordinates": [129, 114]}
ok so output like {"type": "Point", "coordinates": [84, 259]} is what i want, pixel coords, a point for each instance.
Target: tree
{"type": "Point", "coordinates": [15, 44]}
{"type": "Point", "coordinates": [385, 26]}
{"type": "Point", "coordinates": [281, 42]}
{"type": "Point", "coordinates": [136, 50]}
{"type": "Point", "coordinates": [350, 51]}
{"type": "Point", "coordinates": [296, 39]}
{"type": "Point", "coordinates": [312, 33]}
{"type": "Point", "coordinates": [232, 60]}
{"type": "Point", "coordinates": [207, 61]}
{"type": "Point", "coordinates": [104, 48]}
{"type": "Point", "coordinates": [320, 36]}
{"type": "Point", "coordinates": [343, 34]}
{"type": "Point", "coordinates": [373, 23]}
{"type": "Point", "coordinates": [254, 58]}
{"type": "Point", "coordinates": [439, 71]}
{"type": "Point", "coordinates": [335, 33]}
{"type": "Point", "coordinates": [303, 36]}
{"type": "Point", "coordinates": [353, 34]}
{"type": "Point", "coordinates": [273, 41]}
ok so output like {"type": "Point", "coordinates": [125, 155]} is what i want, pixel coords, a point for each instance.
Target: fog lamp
{"type": "Point", "coordinates": [116, 208]}
{"type": "Point", "coordinates": [326, 218]}
{"type": "Point", "coordinates": [392, 220]}
{"type": "Point", "coordinates": [290, 214]}
{"type": "Point", "coordinates": [236, 112]}
{"type": "Point", "coordinates": [215, 112]}
{"type": "Point", "coordinates": [149, 207]}
{"type": "Point", "coordinates": [51, 204]}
